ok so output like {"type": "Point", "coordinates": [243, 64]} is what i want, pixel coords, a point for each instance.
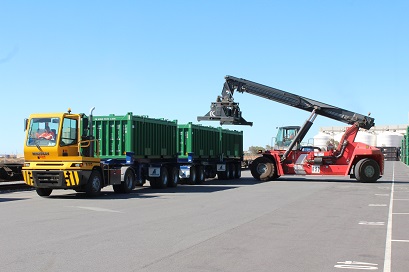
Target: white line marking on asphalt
{"type": "Point", "coordinates": [356, 265]}
{"type": "Point", "coordinates": [388, 244]}
{"type": "Point", "coordinates": [400, 213]}
{"type": "Point", "coordinates": [382, 194]}
{"type": "Point", "coordinates": [371, 223]}
{"type": "Point", "coordinates": [405, 241]}
{"type": "Point", "coordinates": [96, 209]}
{"type": "Point", "coordinates": [377, 205]}
{"type": "Point", "coordinates": [402, 199]}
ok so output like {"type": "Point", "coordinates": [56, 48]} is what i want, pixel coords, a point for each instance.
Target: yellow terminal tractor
{"type": "Point", "coordinates": [59, 154]}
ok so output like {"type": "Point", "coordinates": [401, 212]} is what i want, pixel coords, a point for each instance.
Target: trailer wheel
{"type": "Point", "coordinates": [262, 169]}
{"type": "Point", "coordinates": [44, 191]}
{"type": "Point", "coordinates": [228, 172]}
{"type": "Point", "coordinates": [162, 181]}
{"type": "Point", "coordinates": [128, 184]}
{"type": "Point", "coordinates": [200, 177]}
{"type": "Point", "coordinates": [193, 175]}
{"type": "Point", "coordinates": [232, 170]}
{"type": "Point", "coordinates": [367, 170]}
{"type": "Point", "coordinates": [238, 170]}
{"type": "Point", "coordinates": [174, 178]}
{"type": "Point", "coordinates": [94, 184]}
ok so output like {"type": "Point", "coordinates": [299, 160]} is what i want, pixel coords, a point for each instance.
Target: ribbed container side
{"type": "Point", "coordinates": [405, 149]}
{"type": "Point", "coordinates": [146, 137]}
{"type": "Point", "coordinates": [231, 143]}
{"type": "Point", "coordinates": [201, 141]}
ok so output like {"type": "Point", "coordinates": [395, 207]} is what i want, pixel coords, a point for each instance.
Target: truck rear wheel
{"type": "Point", "coordinates": [367, 170]}
{"type": "Point", "coordinates": [262, 169]}
{"type": "Point", "coordinates": [44, 191]}
{"type": "Point", "coordinates": [238, 170]}
{"type": "Point", "coordinates": [227, 173]}
{"type": "Point", "coordinates": [174, 178]}
{"type": "Point", "coordinates": [232, 171]}
{"type": "Point", "coordinates": [128, 184]}
{"type": "Point", "coordinates": [193, 175]}
{"type": "Point", "coordinates": [94, 184]}
{"type": "Point", "coordinates": [200, 178]}
{"type": "Point", "coordinates": [161, 181]}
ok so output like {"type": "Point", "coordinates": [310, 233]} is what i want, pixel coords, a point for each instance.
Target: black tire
{"type": "Point", "coordinates": [44, 191]}
{"type": "Point", "coordinates": [263, 169]}
{"type": "Point", "coordinates": [367, 170]}
{"type": "Point", "coordinates": [238, 170]}
{"type": "Point", "coordinates": [174, 178]}
{"type": "Point", "coordinates": [228, 171]}
{"type": "Point", "coordinates": [193, 175]}
{"type": "Point", "coordinates": [232, 170]}
{"type": "Point", "coordinates": [200, 177]}
{"type": "Point", "coordinates": [162, 181]}
{"type": "Point", "coordinates": [94, 184]}
{"type": "Point", "coordinates": [128, 184]}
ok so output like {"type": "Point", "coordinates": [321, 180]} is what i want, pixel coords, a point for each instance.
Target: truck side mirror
{"type": "Point", "coordinates": [25, 124]}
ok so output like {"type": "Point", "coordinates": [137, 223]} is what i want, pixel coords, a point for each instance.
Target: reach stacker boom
{"type": "Point", "coordinates": [289, 157]}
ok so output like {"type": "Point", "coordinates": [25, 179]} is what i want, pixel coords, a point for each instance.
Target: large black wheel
{"type": "Point", "coordinates": [367, 170]}
{"type": "Point", "coordinates": [174, 178]}
{"type": "Point", "coordinates": [263, 169]}
{"type": "Point", "coordinates": [227, 173]}
{"type": "Point", "coordinates": [94, 184]}
{"type": "Point", "coordinates": [200, 177]}
{"type": "Point", "coordinates": [128, 184]}
{"type": "Point", "coordinates": [162, 181]}
{"type": "Point", "coordinates": [44, 191]}
{"type": "Point", "coordinates": [232, 171]}
{"type": "Point", "coordinates": [193, 175]}
{"type": "Point", "coordinates": [238, 170]}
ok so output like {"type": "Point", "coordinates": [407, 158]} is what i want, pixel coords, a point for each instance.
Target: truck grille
{"type": "Point", "coordinates": [47, 177]}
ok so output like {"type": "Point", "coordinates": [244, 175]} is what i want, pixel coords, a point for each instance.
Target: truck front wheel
{"type": "Point", "coordinates": [262, 169]}
{"type": "Point", "coordinates": [367, 170]}
{"type": "Point", "coordinates": [94, 184]}
{"type": "Point", "coordinates": [44, 191]}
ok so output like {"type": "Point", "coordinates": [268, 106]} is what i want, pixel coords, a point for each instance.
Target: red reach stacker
{"type": "Point", "coordinates": [358, 160]}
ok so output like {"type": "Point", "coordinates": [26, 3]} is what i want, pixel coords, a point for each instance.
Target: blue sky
{"type": "Point", "coordinates": [168, 59]}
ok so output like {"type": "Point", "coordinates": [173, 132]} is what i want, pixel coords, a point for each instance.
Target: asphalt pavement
{"type": "Point", "coordinates": [292, 224]}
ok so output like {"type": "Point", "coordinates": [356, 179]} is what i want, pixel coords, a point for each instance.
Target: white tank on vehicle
{"type": "Point", "coordinates": [338, 136]}
{"type": "Point", "coordinates": [389, 139]}
{"type": "Point", "coordinates": [366, 138]}
{"type": "Point", "coordinates": [321, 140]}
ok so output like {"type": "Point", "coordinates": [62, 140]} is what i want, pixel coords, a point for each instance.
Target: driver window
{"type": "Point", "coordinates": [69, 132]}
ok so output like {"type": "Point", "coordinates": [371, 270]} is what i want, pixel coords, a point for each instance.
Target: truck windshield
{"type": "Point", "coordinates": [43, 131]}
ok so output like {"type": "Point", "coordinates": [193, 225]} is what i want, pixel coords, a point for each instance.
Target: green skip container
{"type": "Point", "coordinates": [231, 143]}
{"type": "Point", "coordinates": [209, 142]}
{"type": "Point", "coordinates": [199, 141]}
{"type": "Point", "coordinates": [147, 137]}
